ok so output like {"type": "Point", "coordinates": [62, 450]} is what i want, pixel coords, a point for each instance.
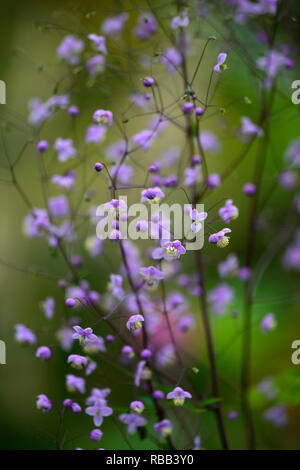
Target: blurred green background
{"type": "Point", "coordinates": [29, 68]}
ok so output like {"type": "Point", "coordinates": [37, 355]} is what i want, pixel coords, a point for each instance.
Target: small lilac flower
{"type": "Point", "coordinates": [219, 238]}
{"type": "Point", "coordinates": [268, 323]}
{"type": "Point", "coordinates": [142, 226]}
{"type": "Point", "coordinates": [127, 352]}
{"type": "Point", "coordinates": [288, 180]}
{"type": "Point", "coordinates": [146, 354]}
{"type": "Point", "coordinates": [42, 146]}
{"type": "Point", "coordinates": [188, 107]}
{"type": "Point", "coordinates": [148, 82]}
{"type": "Point", "coordinates": [158, 395]}
{"type": "Point", "coordinates": [43, 403]}
{"type": "Point", "coordinates": [96, 435]}
{"type": "Point", "coordinates": [44, 353]}
{"type": "Point", "coordinates": [95, 65]}
{"type": "Point", "coordinates": [110, 338]}
{"type": "Point", "coordinates": [151, 275]}
{"type": "Point", "coordinates": [137, 406]}
{"type": "Point", "coordinates": [197, 443]}
{"type": "Point", "coordinates": [133, 421]}
{"type": "Point", "coordinates": [163, 428]}
{"type": "Point", "coordinates": [220, 297]}
{"type": "Point", "coordinates": [65, 181]}
{"type": "Point", "coordinates": [154, 167]}
{"type": "Point", "coordinates": [92, 365]}
{"type": "Point", "coordinates": [24, 335]}
{"type": "Point", "coordinates": [232, 415]}
{"type": "Point", "coordinates": [173, 250]}
{"type": "Point", "coordinates": [58, 206]}
{"type": "Point", "coordinates": [102, 116]}
{"type": "Point", "coordinates": [229, 267]}
{"type": "Point", "coordinates": [48, 306]}
{"type": "Point", "coordinates": [98, 167]}
{"type": "Point", "coordinates": [70, 49]}
{"type": "Point", "coordinates": [99, 411]}
{"type": "Point", "coordinates": [178, 395]}
{"type": "Point", "coordinates": [213, 181]}
{"type": "Point", "coordinates": [249, 189]}
{"type": "Point", "coordinates": [199, 111]}
{"type": "Point", "coordinates": [146, 26]}
{"type": "Point", "coordinates": [170, 181]}
{"type": "Point", "coordinates": [74, 383]}
{"type": "Point", "coordinates": [95, 134]}
{"type": "Point", "coordinates": [73, 111]}
{"type": "Point", "coordinates": [191, 176]}
{"type": "Point", "coordinates": [249, 128]}
{"type": "Point", "coordinates": [209, 141]}
{"type": "Point", "coordinates": [142, 373]}
{"type": "Point", "coordinates": [143, 139]}
{"type": "Point", "coordinates": [76, 408]}
{"type": "Point", "coordinates": [228, 212]}
{"type": "Point", "coordinates": [172, 59]}
{"type": "Point", "coordinates": [180, 21]}
{"type": "Point", "coordinates": [276, 415]}
{"type": "Point", "coordinates": [114, 25]}
{"type": "Point", "coordinates": [64, 149]}
{"type": "Point", "coordinates": [152, 195]}
{"type": "Point", "coordinates": [220, 66]}
{"type": "Point", "coordinates": [115, 286]}
{"type": "Point", "coordinates": [244, 273]}
{"type": "Point", "coordinates": [135, 322]}
{"type": "Point", "coordinates": [77, 361]}
{"type": "Point", "coordinates": [197, 217]}
{"type": "Point", "coordinates": [84, 335]}
{"type": "Point", "coordinates": [99, 42]}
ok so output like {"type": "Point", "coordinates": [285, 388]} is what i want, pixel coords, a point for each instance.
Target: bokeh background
{"type": "Point", "coordinates": [29, 68]}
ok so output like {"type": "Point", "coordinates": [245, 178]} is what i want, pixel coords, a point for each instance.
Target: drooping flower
{"type": "Point", "coordinates": [268, 323]}
{"type": "Point", "coordinates": [249, 128]}
{"type": "Point", "coordinates": [178, 395]}
{"type": "Point", "coordinates": [220, 239]}
{"type": "Point", "coordinates": [173, 250]}
{"type": "Point", "coordinates": [44, 353]}
{"type": "Point", "coordinates": [99, 42]}
{"type": "Point", "coordinates": [220, 66]}
{"type": "Point", "coordinates": [24, 335]}
{"type": "Point", "coordinates": [228, 212]}
{"type": "Point", "coordinates": [180, 21]}
{"type": "Point", "coordinates": [43, 403]}
{"type": "Point", "coordinates": [77, 361]}
{"type": "Point", "coordinates": [133, 421]}
{"type": "Point", "coordinates": [151, 275]}
{"type": "Point", "coordinates": [163, 428]}
{"type": "Point", "coordinates": [135, 322]}
{"type": "Point", "coordinates": [153, 195]}
{"type": "Point", "coordinates": [74, 383]}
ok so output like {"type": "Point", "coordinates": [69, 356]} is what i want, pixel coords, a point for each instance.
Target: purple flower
{"type": "Point", "coordinates": [188, 107]}
{"type": "Point", "coordinates": [24, 335]}
{"type": "Point", "coordinates": [213, 181]}
{"type": "Point", "coordinates": [244, 273]}
{"type": "Point", "coordinates": [172, 59]}
{"type": "Point", "coordinates": [97, 395]}
{"type": "Point", "coordinates": [271, 64]}
{"type": "Point", "coordinates": [92, 365]}
{"type": "Point", "coordinates": [228, 212]}
{"type": "Point", "coordinates": [292, 155]}
{"type": "Point", "coordinates": [232, 415]}
{"type": "Point", "coordinates": [249, 189]}
{"type": "Point", "coordinates": [191, 176]}
{"type": "Point", "coordinates": [83, 335]}
{"type": "Point", "coordinates": [178, 395]}
{"type": "Point", "coordinates": [115, 286]}
{"type": "Point", "coordinates": [95, 134]}
{"type": "Point", "coordinates": [73, 111]}
{"type": "Point", "coordinates": [74, 383]}
{"type": "Point", "coordinates": [143, 139]}
{"type": "Point", "coordinates": [276, 415]}
{"type": "Point", "coordinates": [180, 21]}
{"type": "Point", "coordinates": [288, 180]}
{"type": "Point", "coordinates": [151, 275]}
{"type": "Point", "coordinates": [137, 406]}
{"type": "Point", "coordinates": [48, 307]}
{"type": "Point", "coordinates": [99, 42]}
{"type": "Point", "coordinates": [133, 421]}
{"type": "Point", "coordinates": [135, 322]}
{"type": "Point", "coordinates": [148, 82]}
{"type": "Point", "coordinates": [58, 206]}
{"type": "Point", "coordinates": [152, 195]}
{"type": "Point", "coordinates": [99, 411]}
{"type": "Point", "coordinates": [114, 25]}
{"type": "Point", "coordinates": [77, 361]}
{"type": "Point", "coordinates": [158, 395]}
{"type": "Point", "coordinates": [123, 173]}
{"type": "Point", "coordinates": [268, 323]}
{"type": "Point", "coordinates": [219, 238]}
{"type": "Point", "coordinates": [146, 26]}
{"type": "Point", "coordinates": [142, 373]}
{"type": "Point", "coordinates": [44, 353]}
{"type": "Point", "coordinates": [229, 267]}
{"type": "Point", "coordinates": [220, 297]}
{"type": "Point", "coordinates": [220, 66]}
{"type": "Point", "coordinates": [42, 146]}
{"type": "Point", "coordinates": [70, 49]}
{"type": "Point", "coordinates": [64, 149]}
{"type": "Point", "coordinates": [197, 218]}
{"type": "Point", "coordinates": [163, 428]}
{"type": "Point", "coordinates": [95, 65]}
{"type": "Point", "coordinates": [43, 403]}
{"type": "Point", "coordinates": [249, 128]}
{"type": "Point", "coordinates": [173, 250]}
{"type": "Point", "coordinates": [64, 181]}
{"type": "Point", "coordinates": [96, 435]}
{"type": "Point", "coordinates": [102, 116]}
